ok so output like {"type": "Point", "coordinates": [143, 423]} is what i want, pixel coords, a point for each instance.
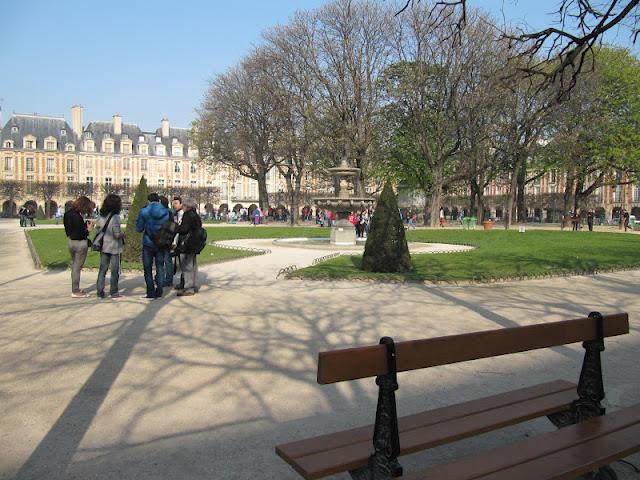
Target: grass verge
{"type": "Point", "coordinates": [500, 255]}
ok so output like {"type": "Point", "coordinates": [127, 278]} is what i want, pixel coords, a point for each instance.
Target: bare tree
{"type": "Point", "coordinates": [235, 126]}
{"type": "Point", "coordinates": [47, 191]}
{"type": "Point", "coordinates": [11, 190]}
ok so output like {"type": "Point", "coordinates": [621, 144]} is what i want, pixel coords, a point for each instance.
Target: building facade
{"type": "Point", "coordinates": [106, 154]}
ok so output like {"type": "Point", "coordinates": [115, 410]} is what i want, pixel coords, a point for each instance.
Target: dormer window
{"type": "Point", "coordinates": [125, 136]}
{"type": "Point", "coordinates": [8, 144]}
{"type": "Point", "coordinates": [70, 147]}
{"type": "Point", "coordinates": [174, 140]}
{"type": "Point", "coordinates": [50, 143]}
{"type": "Point", "coordinates": [160, 150]}
{"type": "Point", "coordinates": [143, 149]}
{"type": "Point", "coordinates": [14, 129]}
{"type": "Point", "coordinates": [63, 132]}
{"type": "Point", "coordinates": [88, 135]}
{"type": "Point", "coordinates": [30, 142]}
{"type": "Point", "coordinates": [141, 138]}
{"type": "Point", "coordinates": [158, 139]}
{"type": "Point", "coordinates": [107, 135]}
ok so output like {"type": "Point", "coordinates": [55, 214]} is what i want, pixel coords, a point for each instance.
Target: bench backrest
{"type": "Point", "coordinates": [363, 362]}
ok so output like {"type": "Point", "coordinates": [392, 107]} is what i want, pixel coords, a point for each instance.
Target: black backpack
{"type": "Point", "coordinates": [163, 238]}
{"type": "Point", "coordinates": [194, 241]}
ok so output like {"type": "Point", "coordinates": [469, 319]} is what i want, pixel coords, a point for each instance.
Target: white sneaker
{"type": "Point", "coordinates": [79, 295]}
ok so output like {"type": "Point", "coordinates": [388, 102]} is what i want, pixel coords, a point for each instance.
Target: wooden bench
{"type": "Point", "coordinates": [587, 440]}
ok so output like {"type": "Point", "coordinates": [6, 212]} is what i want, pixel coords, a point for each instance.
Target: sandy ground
{"type": "Point", "coordinates": [204, 387]}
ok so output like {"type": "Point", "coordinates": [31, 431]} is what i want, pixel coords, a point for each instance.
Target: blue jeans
{"type": "Point", "coordinates": [108, 260]}
{"type": "Point", "coordinates": [168, 269]}
{"type": "Point", "coordinates": [149, 254]}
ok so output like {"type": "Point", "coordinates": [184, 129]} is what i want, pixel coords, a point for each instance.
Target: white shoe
{"type": "Point", "coordinates": [79, 295]}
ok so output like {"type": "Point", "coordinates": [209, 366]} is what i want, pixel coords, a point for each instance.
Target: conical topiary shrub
{"type": "Point", "coordinates": [133, 240]}
{"type": "Point", "coordinates": [386, 249]}
{"type": "Point", "coordinates": [40, 214]}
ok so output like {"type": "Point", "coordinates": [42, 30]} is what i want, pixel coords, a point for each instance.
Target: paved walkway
{"type": "Point", "coordinates": [203, 387]}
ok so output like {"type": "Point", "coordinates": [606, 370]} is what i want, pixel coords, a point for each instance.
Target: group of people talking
{"type": "Point", "coordinates": [166, 244]}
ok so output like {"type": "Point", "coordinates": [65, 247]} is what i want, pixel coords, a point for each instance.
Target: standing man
{"type": "Point", "coordinates": [149, 221]}
{"type": "Point", "coordinates": [590, 219]}
{"type": "Point", "coordinates": [177, 218]}
{"type": "Point", "coordinates": [190, 223]}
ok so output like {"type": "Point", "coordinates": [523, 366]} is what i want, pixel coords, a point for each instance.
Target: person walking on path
{"type": "Point", "coordinates": [625, 220]}
{"type": "Point", "coordinates": [149, 221]}
{"type": "Point", "coordinates": [77, 231]}
{"type": "Point", "coordinates": [441, 217]}
{"type": "Point", "coordinates": [190, 224]}
{"type": "Point", "coordinates": [590, 219]}
{"type": "Point", "coordinates": [112, 244]}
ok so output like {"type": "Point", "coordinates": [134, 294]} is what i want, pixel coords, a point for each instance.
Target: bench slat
{"type": "Point", "coordinates": [558, 455]}
{"type": "Point", "coordinates": [333, 453]}
{"type": "Point", "coordinates": [363, 362]}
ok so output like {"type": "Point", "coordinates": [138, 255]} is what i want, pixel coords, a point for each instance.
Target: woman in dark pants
{"type": "Point", "coordinates": [77, 231]}
{"type": "Point", "coordinates": [112, 244]}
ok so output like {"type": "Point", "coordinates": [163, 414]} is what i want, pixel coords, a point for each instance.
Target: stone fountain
{"type": "Point", "coordinates": [343, 232]}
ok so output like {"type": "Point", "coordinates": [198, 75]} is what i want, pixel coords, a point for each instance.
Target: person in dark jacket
{"type": "Point", "coordinates": [149, 221]}
{"type": "Point", "coordinates": [77, 230]}
{"type": "Point", "coordinates": [188, 260]}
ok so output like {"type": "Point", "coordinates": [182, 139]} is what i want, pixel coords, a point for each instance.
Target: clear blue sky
{"type": "Point", "coordinates": [147, 60]}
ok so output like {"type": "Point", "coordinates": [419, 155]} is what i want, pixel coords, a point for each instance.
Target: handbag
{"type": "Point", "coordinates": [97, 241]}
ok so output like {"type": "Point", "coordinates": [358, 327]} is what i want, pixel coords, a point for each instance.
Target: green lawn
{"type": "Point", "coordinates": [51, 245]}
{"type": "Point", "coordinates": [500, 255]}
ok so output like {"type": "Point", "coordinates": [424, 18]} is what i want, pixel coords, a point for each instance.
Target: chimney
{"type": "Point", "coordinates": [164, 123]}
{"type": "Point", "coordinates": [76, 120]}
{"type": "Point", "coordinates": [117, 124]}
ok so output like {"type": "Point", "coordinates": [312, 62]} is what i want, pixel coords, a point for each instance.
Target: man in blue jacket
{"type": "Point", "coordinates": [149, 221]}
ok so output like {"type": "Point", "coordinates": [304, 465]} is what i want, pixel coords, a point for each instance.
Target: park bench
{"type": "Point", "coordinates": [586, 441]}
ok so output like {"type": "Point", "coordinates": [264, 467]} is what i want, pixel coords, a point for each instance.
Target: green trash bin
{"type": "Point", "coordinates": [465, 223]}
{"type": "Point", "coordinates": [473, 221]}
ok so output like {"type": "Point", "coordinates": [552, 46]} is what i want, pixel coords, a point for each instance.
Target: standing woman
{"type": "Point", "coordinates": [78, 232]}
{"type": "Point", "coordinates": [191, 222]}
{"type": "Point", "coordinates": [112, 244]}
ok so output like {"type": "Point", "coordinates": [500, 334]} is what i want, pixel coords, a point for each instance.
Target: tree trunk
{"type": "Point", "coordinates": [566, 199]}
{"type": "Point", "coordinates": [263, 194]}
{"type": "Point", "coordinates": [436, 197]}
{"type": "Point", "coordinates": [511, 198]}
{"type": "Point", "coordinates": [520, 204]}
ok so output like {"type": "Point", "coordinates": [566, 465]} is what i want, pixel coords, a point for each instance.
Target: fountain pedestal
{"type": "Point", "coordinates": [343, 231]}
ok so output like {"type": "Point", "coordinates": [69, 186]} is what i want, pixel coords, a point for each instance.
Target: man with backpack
{"type": "Point", "coordinates": [191, 241]}
{"type": "Point", "coordinates": [150, 220]}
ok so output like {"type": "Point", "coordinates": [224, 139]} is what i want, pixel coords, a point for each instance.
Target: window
{"type": "Point", "coordinates": [194, 169]}
{"type": "Point", "coordinates": [70, 148]}
{"type": "Point", "coordinates": [125, 136]}
{"type": "Point", "coordinates": [30, 144]}
{"type": "Point", "coordinates": [90, 146]}
{"type": "Point", "coordinates": [126, 182]}
{"type": "Point", "coordinates": [554, 176]}
{"type": "Point", "coordinates": [69, 166]}
{"type": "Point", "coordinates": [126, 164]}
{"type": "Point", "coordinates": [29, 179]}
{"type": "Point", "coordinates": [177, 183]}
{"type": "Point", "coordinates": [51, 165]}
{"type": "Point", "coordinates": [636, 194]}
{"type": "Point", "coordinates": [108, 163]}
{"type": "Point", "coordinates": [51, 178]}
{"type": "Point", "coordinates": [141, 138]}
{"type": "Point", "coordinates": [14, 129]}
{"type": "Point", "coordinates": [108, 147]}
{"type": "Point", "coordinates": [50, 145]}
{"type": "Point", "coordinates": [108, 181]}
{"type": "Point", "coordinates": [106, 135]}
{"type": "Point", "coordinates": [193, 153]}
{"type": "Point", "coordinates": [158, 139]}
{"type": "Point", "coordinates": [161, 182]}
{"type": "Point", "coordinates": [174, 140]}
{"type": "Point", "coordinates": [126, 148]}
{"type": "Point", "coordinates": [176, 151]}
{"type": "Point", "coordinates": [88, 163]}
{"type": "Point", "coordinates": [8, 164]}
{"type": "Point", "coordinates": [618, 193]}
{"type": "Point", "coordinates": [70, 179]}
{"type": "Point", "coordinates": [8, 144]}
{"type": "Point", "coordinates": [194, 184]}
{"type": "Point", "coordinates": [160, 150]}
{"type": "Point", "coordinates": [29, 165]}
{"type": "Point", "coordinates": [63, 132]}
{"type": "Point", "coordinates": [143, 149]}
{"type": "Point", "coordinates": [176, 167]}
{"type": "Point", "coordinates": [88, 135]}
{"type": "Point", "coordinates": [143, 164]}
{"type": "Point", "coordinates": [254, 190]}
{"type": "Point", "coordinates": [90, 180]}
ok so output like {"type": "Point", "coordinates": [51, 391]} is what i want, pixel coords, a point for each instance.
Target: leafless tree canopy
{"type": "Point", "coordinates": [560, 52]}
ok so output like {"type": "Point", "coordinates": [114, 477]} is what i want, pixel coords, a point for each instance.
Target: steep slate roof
{"type": "Point", "coordinates": [40, 127]}
{"type": "Point", "coordinates": [98, 129]}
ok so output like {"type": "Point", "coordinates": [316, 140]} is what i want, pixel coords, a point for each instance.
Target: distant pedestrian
{"type": "Point", "coordinates": [441, 217]}
{"type": "Point", "coordinates": [625, 220]}
{"type": "Point", "coordinates": [590, 219]}
{"type": "Point", "coordinates": [22, 213]}
{"type": "Point", "coordinates": [166, 252]}
{"type": "Point", "coordinates": [77, 230]}
{"type": "Point", "coordinates": [112, 244]}
{"type": "Point", "coordinates": [149, 221]}
{"type": "Point", "coordinates": [256, 216]}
